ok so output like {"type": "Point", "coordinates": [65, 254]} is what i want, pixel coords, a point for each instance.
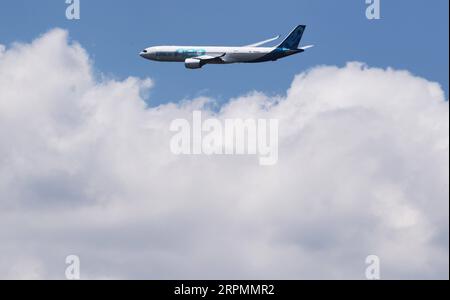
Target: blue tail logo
{"type": "Point", "coordinates": [293, 40]}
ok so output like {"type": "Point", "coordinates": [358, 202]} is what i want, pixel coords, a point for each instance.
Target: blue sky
{"type": "Point", "coordinates": [411, 35]}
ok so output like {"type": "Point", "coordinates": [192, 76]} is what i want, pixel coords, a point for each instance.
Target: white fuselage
{"type": "Point", "coordinates": [226, 54]}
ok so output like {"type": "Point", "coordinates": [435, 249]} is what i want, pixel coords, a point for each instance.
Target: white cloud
{"type": "Point", "coordinates": [85, 169]}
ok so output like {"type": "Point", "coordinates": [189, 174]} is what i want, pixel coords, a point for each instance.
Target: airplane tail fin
{"type": "Point", "coordinates": [293, 39]}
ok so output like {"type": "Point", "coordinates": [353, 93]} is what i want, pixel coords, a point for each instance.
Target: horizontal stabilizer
{"type": "Point", "coordinates": [306, 47]}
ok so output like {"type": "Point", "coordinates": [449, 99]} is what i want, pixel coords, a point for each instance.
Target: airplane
{"type": "Point", "coordinates": [195, 57]}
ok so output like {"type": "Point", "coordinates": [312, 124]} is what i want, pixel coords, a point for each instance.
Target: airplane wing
{"type": "Point", "coordinates": [208, 58]}
{"type": "Point", "coordinates": [263, 42]}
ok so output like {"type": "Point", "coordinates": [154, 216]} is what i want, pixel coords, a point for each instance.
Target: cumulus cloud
{"type": "Point", "coordinates": [86, 169]}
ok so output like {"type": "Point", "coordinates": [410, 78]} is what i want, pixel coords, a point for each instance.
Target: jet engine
{"type": "Point", "coordinates": [192, 63]}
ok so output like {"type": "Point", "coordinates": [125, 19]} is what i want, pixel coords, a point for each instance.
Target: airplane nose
{"type": "Point", "coordinates": [143, 53]}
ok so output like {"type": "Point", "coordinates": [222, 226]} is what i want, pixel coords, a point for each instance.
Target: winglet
{"type": "Point", "coordinates": [264, 42]}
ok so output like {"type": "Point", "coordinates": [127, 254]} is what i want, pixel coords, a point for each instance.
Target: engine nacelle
{"type": "Point", "coordinates": [192, 63]}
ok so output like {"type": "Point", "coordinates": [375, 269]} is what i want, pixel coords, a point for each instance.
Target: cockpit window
{"type": "Point", "coordinates": [145, 50]}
